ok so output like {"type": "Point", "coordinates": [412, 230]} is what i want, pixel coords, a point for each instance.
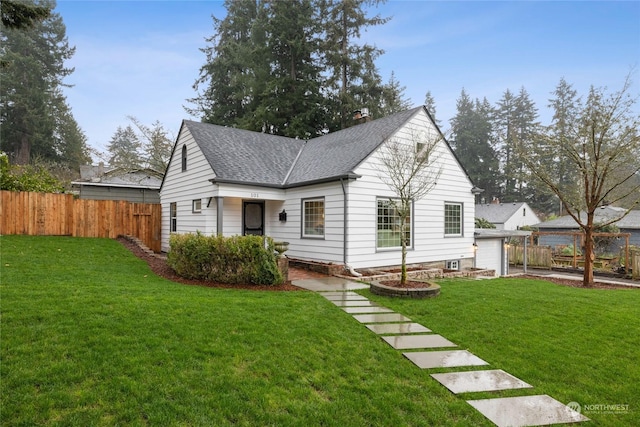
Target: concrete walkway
{"type": "Point", "coordinates": [428, 350]}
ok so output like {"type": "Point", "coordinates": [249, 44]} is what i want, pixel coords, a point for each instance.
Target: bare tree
{"type": "Point", "coordinates": [602, 145]}
{"type": "Point", "coordinates": [411, 169]}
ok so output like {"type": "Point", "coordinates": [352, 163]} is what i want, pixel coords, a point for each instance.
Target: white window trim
{"type": "Point", "coordinates": [304, 218]}
{"type": "Point", "coordinates": [411, 222]}
{"type": "Point", "coordinates": [196, 206]}
{"type": "Point", "coordinates": [461, 219]}
{"type": "Point", "coordinates": [173, 218]}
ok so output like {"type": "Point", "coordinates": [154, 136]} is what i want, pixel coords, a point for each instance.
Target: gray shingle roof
{"type": "Point", "coordinates": [605, 213]}
{"type": "Point", "coordinates": [242, 156]}
{"type": "Point", "coordinates": [339, 153]}
{"type": "Point", "coordinates": [238, 155]}
{"type": "Point", "coordinates": [498, 213]}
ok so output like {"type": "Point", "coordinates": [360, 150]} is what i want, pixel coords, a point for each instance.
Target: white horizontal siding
{"type": "Point", "coordinates": [184, 187]}
{"type": "Point", "coordinates": [429, 242]}
{"type": "Point", "coordinates": [327, 249]}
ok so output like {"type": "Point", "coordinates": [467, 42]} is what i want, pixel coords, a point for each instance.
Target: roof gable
{"type": "Point", "coordinates": [339, 153]}
{"type": "Point", "coordinates": [498, 213]}
{"type": "Point", "coordinates": [246, 157]}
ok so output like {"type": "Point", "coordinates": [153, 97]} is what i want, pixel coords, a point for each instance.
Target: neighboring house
{"type": "Point", "coordinates": [139, 185]}
{"type": "Point", "coordinates": [629, 224]}
{"type": "Point", "coordinates": [323, 196]}
{"type": "Point", "coordinates": [507, 216]}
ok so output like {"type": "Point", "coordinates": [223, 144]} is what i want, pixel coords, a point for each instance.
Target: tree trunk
{"type": "Point", "coordinates": [403, 244]}
{"type": "Point", "coordinates": [589, 256]}
{"type": "Point", "coordinates": [23, 153]}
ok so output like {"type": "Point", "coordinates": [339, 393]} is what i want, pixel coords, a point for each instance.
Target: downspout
{"type": "Point", "coordinates": [345, 231]}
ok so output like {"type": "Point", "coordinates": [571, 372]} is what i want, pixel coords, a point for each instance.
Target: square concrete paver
{"type": "Point", "coordinates": [355, 303]}
{"type": "Point", "coordinates": [491, 380]}
{"type": "Point", "coordinates": [329, 284]}
{"type": "Point", "coordinates": [405, 342]}
{"type": "Point", "coordinates": [444, 359]}
{"type": "Point", "coordinates": [347, 296]}
{"type": "Point", "coordinates": [398, 328]}
{"type": "Point", "coordinates": [381, 318]}
{"type": "Point", "coordinates": [362, 310]}
{"type": "Point", "coordinates": [526, 411]}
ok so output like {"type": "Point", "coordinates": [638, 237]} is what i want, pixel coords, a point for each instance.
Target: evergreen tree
{"type": "Point", "coordinates": [471, 140]}
{"type": "Point", "coordinates": [35, 118]}
{"type": "Point", "coordinates": [124, 149]}
{"type": "Point", "coordinates": [515, 124]}
{"type": "Point", "coordinates": [291, 67]}
{"type": "Point", "coordinates": [566, 107]}
{"type": "Point", "coordinates": [292, 103]}
{"type": "Point", "coordinates": [393, 98]}
{"type": "Point", "coordinates": [236, 68]}
{"type": "Point", "coordinates": [354, 81]}
{"type": "Point", "coordinates": [21, 15]}
{"type": "Point", "coordinates": [430, 103]}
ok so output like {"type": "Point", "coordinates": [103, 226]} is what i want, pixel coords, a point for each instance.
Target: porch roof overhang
{"type": "Point", "coordinates": [243, 189]}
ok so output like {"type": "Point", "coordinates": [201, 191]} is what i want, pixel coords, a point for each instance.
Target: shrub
{"type": "Point", "coordinates": [236, 260]}
{"type": "Point", "coordinates": [484, 223]}
{"type": "Point", "coordinates": [34, 177]}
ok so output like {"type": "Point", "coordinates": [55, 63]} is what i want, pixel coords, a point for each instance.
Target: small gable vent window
{"type": "Point", "coordinates": [184, 158]}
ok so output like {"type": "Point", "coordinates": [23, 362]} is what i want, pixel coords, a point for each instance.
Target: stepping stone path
{"type": "Point", "coordinates": [399, 332]}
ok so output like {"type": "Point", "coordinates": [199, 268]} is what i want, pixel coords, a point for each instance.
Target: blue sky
{"type": "Point", "coordinates": [141, 58]}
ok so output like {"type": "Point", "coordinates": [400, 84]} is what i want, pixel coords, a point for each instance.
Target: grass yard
{"type": "Point", "coordinates": [576, 345]}
{"type": "Point", "coordinates": [89, 336]}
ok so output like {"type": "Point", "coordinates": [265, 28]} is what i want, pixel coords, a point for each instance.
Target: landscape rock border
{"type": "Point", "coordinates": [430, 290]}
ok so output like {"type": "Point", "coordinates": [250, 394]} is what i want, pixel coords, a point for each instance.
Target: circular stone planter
{"type": "Point", "coordinates": [430, 290]}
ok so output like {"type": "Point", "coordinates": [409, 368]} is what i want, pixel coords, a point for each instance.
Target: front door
{"type": "Point", "coordinates": [253, 218]}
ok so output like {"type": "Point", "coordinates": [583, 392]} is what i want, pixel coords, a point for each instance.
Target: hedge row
{"type": "Point", "coordinates": [237, 259]}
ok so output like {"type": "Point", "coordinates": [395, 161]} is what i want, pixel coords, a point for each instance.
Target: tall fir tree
{"type": "Point", "coordinates": [566, 106]}
{"type": "Point", "coordinates": [515, 124]}
{"type": "Point", "coordinates": [292, 102]}
{"type": "Point", "coordinates": [430, 104]}
{"type": "Point", "coordinates": [471, 132]}
{"type": "Point", "coordinates": [354, 80]}
{"type": "Point", "coordinates": [35, 118]}
{"type": "Point", "coordinates": [236, 66]}
{"type": "Point", "coordinates": [393, 97]}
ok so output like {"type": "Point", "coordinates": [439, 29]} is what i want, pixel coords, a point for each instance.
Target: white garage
{"type": "Point", "coordinates": [491, 251]}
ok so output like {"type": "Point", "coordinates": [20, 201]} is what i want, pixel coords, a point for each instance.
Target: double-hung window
{"type": "Point", "coordinates": [313, 217]}
{"type": "Point", "coordinates": [388, 232]}
{"type": "Point", "coordinates": [453, 219]}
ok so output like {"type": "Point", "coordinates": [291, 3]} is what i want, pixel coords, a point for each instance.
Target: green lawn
{"type": "Point", "coordinates": [89, 336]}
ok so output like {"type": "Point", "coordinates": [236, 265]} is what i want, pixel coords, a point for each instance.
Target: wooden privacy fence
{"type": "Point", "coordinates": [47, 214]}
{"type": "Point", "coordinates": [537, 256]}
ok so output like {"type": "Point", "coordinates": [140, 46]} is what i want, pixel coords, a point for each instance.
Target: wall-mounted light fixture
{"type": "Point", "coordinates": [282, 216]}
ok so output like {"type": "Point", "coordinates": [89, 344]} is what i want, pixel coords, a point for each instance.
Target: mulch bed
{"type": "Point", "coordinates": [159, 266]}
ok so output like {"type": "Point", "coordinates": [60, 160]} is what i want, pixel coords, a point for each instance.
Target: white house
{"type": "Point", "coordinates": [507, 216]}
{"type": "Point", "coordinates": [323, 196]}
